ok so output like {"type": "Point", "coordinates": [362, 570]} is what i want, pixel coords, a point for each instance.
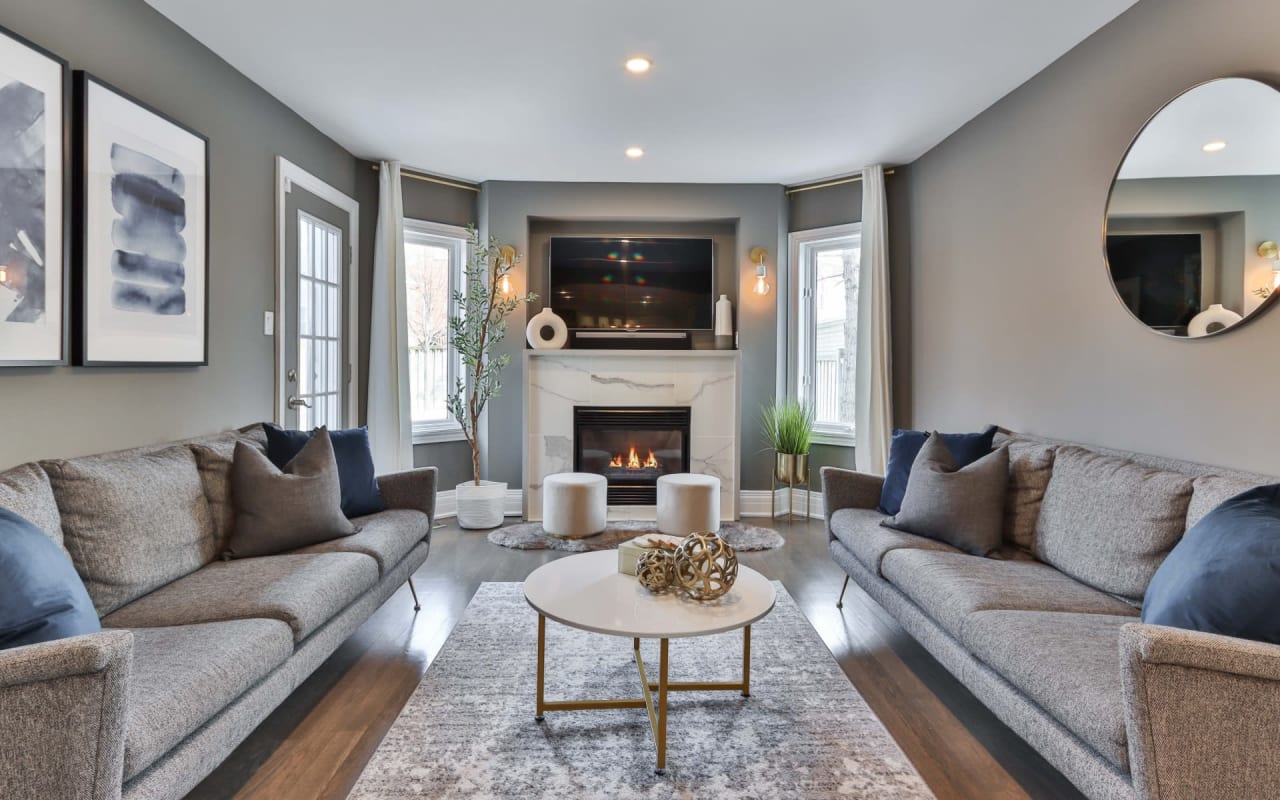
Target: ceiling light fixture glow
{"type": "Point", "coordinates": [635, 152]}
{"type": "Point", "coordinates": [1216, 146]}
{"type": "Point", "coordinates": [638, 65]}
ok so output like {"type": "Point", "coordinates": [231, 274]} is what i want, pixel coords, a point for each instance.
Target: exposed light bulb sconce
{"type": "Point", "coordinates": [758, 255]}
{"type": "Point", "coordinates": [508, 254]}
{"type": "Point", "coordinates": [1271, 250]}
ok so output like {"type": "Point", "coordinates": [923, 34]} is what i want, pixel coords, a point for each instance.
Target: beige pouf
{"type": "Point", "coordinates": [688, 503]}
{"type": "Point", "coordinates": [574, 504]}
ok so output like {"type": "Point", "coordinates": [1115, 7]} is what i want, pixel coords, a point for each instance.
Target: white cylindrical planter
{"type": "Point", "coordinates": [546, 331]}
{"type": "Point", "coordinates": [724, 323]}
{"type": "Point", "coordinates": [480, 507]}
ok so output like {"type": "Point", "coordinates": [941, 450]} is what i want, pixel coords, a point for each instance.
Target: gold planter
{"type": "Point", "coordinates": [791, 468]}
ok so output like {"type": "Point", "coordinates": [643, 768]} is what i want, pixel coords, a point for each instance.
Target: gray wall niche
{"type": "Point", "coordinates": [74, 411]}
{"type": "Point", "coordinates": [1014, 319]}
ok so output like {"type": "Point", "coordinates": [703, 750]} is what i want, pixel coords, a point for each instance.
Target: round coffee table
{"type": "Point", "coordinates": [586, 591]}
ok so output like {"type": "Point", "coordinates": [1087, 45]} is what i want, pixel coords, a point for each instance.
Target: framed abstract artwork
{"type": "Point", "coordinates": [35, 96]}
{"type": "Point", "coordinates": [142, 210]}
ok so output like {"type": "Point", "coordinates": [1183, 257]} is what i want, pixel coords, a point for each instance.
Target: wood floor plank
{"type": "Point", "coordinates": [316, 744]}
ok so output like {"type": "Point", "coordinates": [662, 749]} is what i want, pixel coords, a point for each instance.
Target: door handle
{"type": "Point", "coordinates": [297, 402]}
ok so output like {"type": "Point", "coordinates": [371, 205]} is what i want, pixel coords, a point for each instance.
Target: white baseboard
{"type": "Point", "coordinates": [447, 504]}
{"type": "Point", "coordinates": [757, 503]}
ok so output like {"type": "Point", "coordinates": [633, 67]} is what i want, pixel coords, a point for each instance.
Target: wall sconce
{"type": "Point", "coordinates": [508, 254]}
{"type": "Point", "coordinates": [1271, 251]}
{"type": "Point", "coordinates": [758, 255]}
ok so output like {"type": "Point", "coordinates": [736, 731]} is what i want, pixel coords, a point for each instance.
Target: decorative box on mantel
{"type": "Point", "coordinates": [704, 381]}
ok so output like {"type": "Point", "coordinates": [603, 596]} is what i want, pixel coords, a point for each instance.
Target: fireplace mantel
{"type": "Point", "coordinates": [708, 381]}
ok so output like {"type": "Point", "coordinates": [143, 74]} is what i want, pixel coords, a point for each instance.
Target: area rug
{"type": "Point", "coordinates": [468, 729]}
{"type": "Point", "coordinates": [531, 536]}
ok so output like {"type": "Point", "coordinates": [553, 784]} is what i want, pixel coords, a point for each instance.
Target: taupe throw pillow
{"type": "Point", "coordinates": [962, 507]}
{"type": "Point", "coordinates": [279, 510]}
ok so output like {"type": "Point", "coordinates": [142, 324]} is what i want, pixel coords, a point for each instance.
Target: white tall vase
{"type": "Point", "coordinates": [724, 323]}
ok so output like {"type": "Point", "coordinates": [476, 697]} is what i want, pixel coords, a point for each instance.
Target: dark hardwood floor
{"type": "Point", "coordinates": [316, 744]}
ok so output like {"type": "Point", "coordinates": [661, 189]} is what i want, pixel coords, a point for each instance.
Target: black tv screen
{"type": "Point", "coordinates": [632, 283]}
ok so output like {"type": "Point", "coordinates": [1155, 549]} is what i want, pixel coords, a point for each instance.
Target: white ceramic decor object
{"type": "Point", "coordinates": [574, 504]}
{"type": "Point", "coordinates": [688, 503]}
{"type": "Point", "coordinates": [1215, 314]}
{"type": "Point", "coordinates": [544, 319]}
{"type": "Point", "coordinates": [480, 507]}
{"type": "Point", "coordinates": [724, 323]}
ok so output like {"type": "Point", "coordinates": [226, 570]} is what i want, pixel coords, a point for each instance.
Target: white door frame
{"type": "Point", "coordinates": [288, 175]}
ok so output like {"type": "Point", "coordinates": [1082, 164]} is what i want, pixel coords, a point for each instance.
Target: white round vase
{"type": "Point", "coordinates": [1215, 314]}
{"type": "Point", "coordinates": [540, 324]}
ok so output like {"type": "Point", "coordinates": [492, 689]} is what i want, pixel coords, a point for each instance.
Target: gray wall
{"type": "Point", "coordinates": [1013, 316]}
{"type": "Point", "coordinates": [822, 208]}
{"type": "Point", "coordinates": [68, 411]}
{"type": "Point", "coordinates": [434, 203]}
{"type": "Point", "coordinates": [759, 211]}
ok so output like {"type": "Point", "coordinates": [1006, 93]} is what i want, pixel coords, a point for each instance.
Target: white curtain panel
{"type": "Point", "coordinates": [874, 388]}
{"type": "Point", "coordinates": [390, 420]}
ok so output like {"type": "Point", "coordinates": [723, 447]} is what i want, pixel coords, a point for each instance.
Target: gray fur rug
{"type": "Point", "coordinates": [530, 536]}
{"type": "Point", "coordinates": [468, 730]}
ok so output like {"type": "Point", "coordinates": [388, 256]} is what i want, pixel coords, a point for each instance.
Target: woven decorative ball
{"type": "Point", "coordinates": [656, 571]}
{"type": "Point", "coordinates": [706, 566]}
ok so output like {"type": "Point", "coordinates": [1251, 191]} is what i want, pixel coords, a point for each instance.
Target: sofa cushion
{"type": "Point", "coordinates": [1109, 522]}
{"type": "Point", "coordinates": [132, 521]}
{"type": "Point", "coordinates": [1210, 491]}
{"type": "Point", "coordinates": [182, 676]}
{"type": "Point", "coordinates": [950, 587]}
{"type": "Point", "coordinates": [388, 536]}
{"type": "Point", "coordinates": [25, 491]}
{"type": "Point", "coordinates": [905, 445]}
{"type": "Point", "coordinates": [859, 529]}
{"type": "Point", "coordinates": [356, 475]}
{"type": "Point", "coordinates": [213, 459]}
{"type": "Point", "coordinates": [305, 591]}
{"type": "Point", "coordinates": [1069, 664]}
{"type": "Point", "coordinates": [1030, 467]}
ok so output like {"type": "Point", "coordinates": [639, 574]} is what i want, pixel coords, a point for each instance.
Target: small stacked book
{"type": "Point", "coordinates": [629, 552]}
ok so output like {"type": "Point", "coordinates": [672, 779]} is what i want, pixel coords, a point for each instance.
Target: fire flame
{"type": "Point", "coordinates": [632, 461]}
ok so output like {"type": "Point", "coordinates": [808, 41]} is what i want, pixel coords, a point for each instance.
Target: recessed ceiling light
{"type": "Point", "coordinates": [638, 65]}
{"type": "Point", "coordinates": [635, 152]}
{"type": "Point", "coordinates": [1216, 146]}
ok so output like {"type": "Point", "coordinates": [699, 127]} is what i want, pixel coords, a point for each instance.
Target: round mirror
{"type": "Point", "coordinates": [1194, 213]}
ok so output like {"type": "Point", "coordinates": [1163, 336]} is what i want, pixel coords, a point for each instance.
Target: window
{"type": "Point", "coordinates": [433, 264]}
{"type": "Point", "coordinates": [826, 263]}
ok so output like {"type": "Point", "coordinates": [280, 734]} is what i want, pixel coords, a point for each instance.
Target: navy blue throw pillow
{"type": "Point", "coordinates": [1224, 576]}
{"type": "Point", "coordinates": [351, 450]}
{"type": "Point", "coordinates": [905, 445]}
{"type": "Point", "coordinates": [41, 596]}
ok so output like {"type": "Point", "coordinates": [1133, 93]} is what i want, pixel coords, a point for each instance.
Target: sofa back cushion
{"type": "Point", "coordinates": [1030, 466]}
{"type": "Point", "coordinates": [133, 521]}
{"type": "Point", "coordinates": [1109, 522]}
{"type": "Point", "coordinates": [1210, 491]}
{"type": "Point", "coordinates": [213, 459]}
{"type": "Point", "coordinates": [25, 491]}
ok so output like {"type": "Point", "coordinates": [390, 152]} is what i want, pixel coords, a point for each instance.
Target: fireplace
{"type": "Point", "coordinates": [631, 447]}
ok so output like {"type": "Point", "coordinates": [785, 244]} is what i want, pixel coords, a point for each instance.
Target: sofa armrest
{"type": "Point", "coordinates": [1202, 713]}
{"type": "Point", "coordinates": [412, 489]}
{"type": "Point", "coordinates": [846, 488]}
{"type": "Point", "coordinates": [62, 715]}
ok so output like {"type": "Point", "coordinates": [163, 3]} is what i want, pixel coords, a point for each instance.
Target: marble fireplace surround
{"type": "Point", "coordinates": [708, 381]}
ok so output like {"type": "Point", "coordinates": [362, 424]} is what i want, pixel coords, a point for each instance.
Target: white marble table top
{"type": "Point", "coordinates": [586, 591]}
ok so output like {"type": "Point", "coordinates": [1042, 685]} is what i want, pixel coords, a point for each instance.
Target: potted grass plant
{"type": "Point", "coordinates": [788, 426]}
{"type": "Point", "coordinates": [476, 328]}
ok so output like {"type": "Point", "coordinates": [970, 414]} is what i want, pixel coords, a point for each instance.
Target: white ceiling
{"type": "Point", "coordinates": [1243, 113]}
{"type": "Point", "coordinates": [740, 91]}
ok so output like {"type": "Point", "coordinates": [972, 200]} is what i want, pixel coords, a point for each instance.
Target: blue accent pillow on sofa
{"type": "Point", "coordinates": [360, 494]}
{"type": "Point", "coordinates": [1224, 576]}
{"type": "Point", "coordinates": [41, 596]}
{"type": "Point", "coordinates": [905, 445]}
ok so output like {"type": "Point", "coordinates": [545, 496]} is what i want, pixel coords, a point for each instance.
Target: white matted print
{"type": "Point", "coordinates": [144, 267]}
{"type": "Point", "coordinates": [34, 87]}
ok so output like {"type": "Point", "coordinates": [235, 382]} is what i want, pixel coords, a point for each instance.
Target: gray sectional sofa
{"type": "Point", "coordinates": [1048, 635]}
{"type": "Point", "coordinates": [195, 651]}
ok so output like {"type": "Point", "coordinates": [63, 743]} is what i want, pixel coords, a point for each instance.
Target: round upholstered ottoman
{"type": "Point", "coordinates": [574, 504]}
{"type": "Point", "coordinates": [688, 503]}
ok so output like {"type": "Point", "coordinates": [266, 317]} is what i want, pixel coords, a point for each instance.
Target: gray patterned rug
{"type": "Point", "coordinates": [468, 730]}
{"type": "Point", "coordinates": [530, 536]}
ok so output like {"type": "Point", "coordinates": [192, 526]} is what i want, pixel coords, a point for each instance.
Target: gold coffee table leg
{"type": "Point", "coordinates": [746, 661]}
{"type": "Point", "coordinates": [542, 658]}
{"type": "Point", "coordinates": [662, 709]}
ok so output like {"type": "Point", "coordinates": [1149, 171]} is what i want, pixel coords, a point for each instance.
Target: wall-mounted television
{"type": "Point", "coordinates": [633, 283]}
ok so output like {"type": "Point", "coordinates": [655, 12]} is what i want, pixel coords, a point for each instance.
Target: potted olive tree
{"type": "Point", "coordinates": [788, 426]}
{"type": "Point", "coordinates": [477, 326]}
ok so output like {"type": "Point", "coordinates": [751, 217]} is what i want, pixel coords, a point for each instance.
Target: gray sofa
{"type": "Point", "coordinates": [195, 651]}
{"type": "Point", "coordinates": [1048, 635]}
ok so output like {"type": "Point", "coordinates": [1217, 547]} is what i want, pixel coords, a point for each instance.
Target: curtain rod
{"type": "Point", "coordinates": [826, 184]}
{"type": "Point", "coordinates": [418, 176]}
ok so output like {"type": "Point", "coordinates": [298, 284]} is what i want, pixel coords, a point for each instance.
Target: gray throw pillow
{"type": "Point", "coordinates": [962, 507]}
{"type": "Point", "coordinates": [279, 510]}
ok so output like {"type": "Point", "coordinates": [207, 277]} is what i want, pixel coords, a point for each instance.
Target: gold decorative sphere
{"type": "Point", "coordinates": [656, 571]}
{"type": "Point", "coordinates": [705, 566]}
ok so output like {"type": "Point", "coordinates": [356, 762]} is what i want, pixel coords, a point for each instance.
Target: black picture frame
{"type": "Point", "coordinates": [61, 209]}
{"type": "Point", "coordinates": [87, 202]}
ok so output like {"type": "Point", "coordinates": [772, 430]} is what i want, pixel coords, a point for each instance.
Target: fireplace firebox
{"type": "Point", "coordinates": [631, 447]}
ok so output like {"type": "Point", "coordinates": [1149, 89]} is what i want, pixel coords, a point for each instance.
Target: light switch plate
{"type": "Point", "coordinates": [268, 323]}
